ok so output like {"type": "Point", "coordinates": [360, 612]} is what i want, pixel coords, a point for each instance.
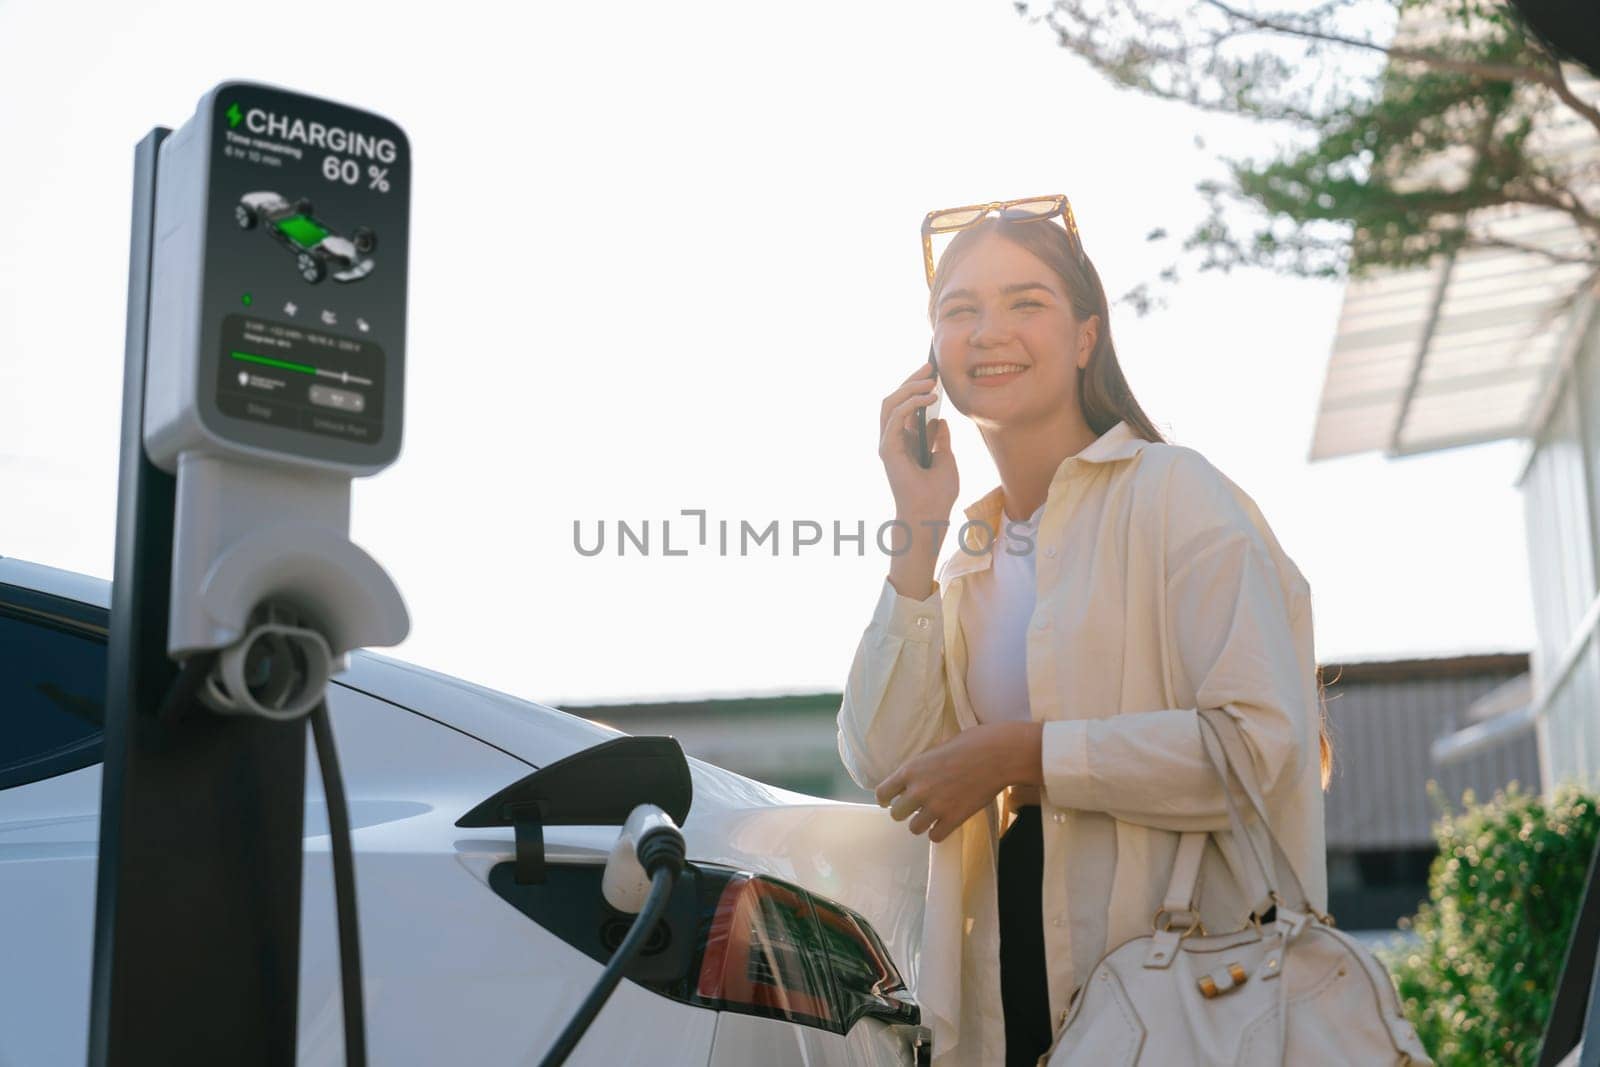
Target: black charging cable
{"type": "Point", "coordinates": [184, 691]}
{"type": "Point", "coordinates": [661, 854]}
{"type": "Point", "coordinates": [180, 697]}
{"type": "Point", "coordinates": [344, 887]}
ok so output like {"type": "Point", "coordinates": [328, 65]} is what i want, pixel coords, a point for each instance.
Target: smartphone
{"type": "Point", "coordinates": [926, 412]}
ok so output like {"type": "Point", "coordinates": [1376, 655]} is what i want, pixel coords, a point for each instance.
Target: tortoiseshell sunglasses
{"type": "Point", "coordinates": [1030, 209]}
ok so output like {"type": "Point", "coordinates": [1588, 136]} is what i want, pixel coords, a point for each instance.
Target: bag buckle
{"type": "Point", "coordinates": [1321, 916]}
{"type": "Point", "coordinates": [1228, 977]}
{"type": "Point", "coordinates": [1163, 919]}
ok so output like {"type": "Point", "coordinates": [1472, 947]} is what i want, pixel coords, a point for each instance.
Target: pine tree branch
{"type": "Point", "coordinates": [1558, 82]}
{"type": "Point", "coordinates": [1570, 205]}
{"type": "Point", "coordinates": [1479, 96]}
{"type": "Point", "coordinates": [1482, 240]}
{"type": "Point", "coordinates": [1089, 35]}
{"type": "Point", "coordinates": [1506, 72]}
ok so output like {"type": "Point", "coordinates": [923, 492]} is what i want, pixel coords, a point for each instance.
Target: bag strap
{"type": "Point", "coordinates": [1224, 744]}
{"type": "Point", "coordinates": [1185, 874]}
{"type": "Point", "coordinates": [1275, 864]}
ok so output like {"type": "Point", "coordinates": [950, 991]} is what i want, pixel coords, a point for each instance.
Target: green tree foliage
{"type": "Point", "coordinates": [1503, 895]}
{"type": "Point", "coordinates": [1397, 142]}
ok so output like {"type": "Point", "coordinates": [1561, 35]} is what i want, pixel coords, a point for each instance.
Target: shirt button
{"type": "Point", "coordinates": [1058, 922]}
{"type": "Point", "coordinates": [922, 622]}
{"type": "Point", "coordinates": [1041, 623]}
{"type": "Point", "coordinates": [1050, 550]}
{"type": "Point", "coordinates": [1059, 816]}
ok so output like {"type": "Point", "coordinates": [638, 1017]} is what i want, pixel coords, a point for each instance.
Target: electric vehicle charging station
{"type": "Point", "coordinates": [264, 398]}
{"type": "Point", "coordinates": [263, 372]}
{"type": "Point", "coordinates": [264, 369]}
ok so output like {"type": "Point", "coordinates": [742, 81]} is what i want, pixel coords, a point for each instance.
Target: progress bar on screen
{"type": "Point", "coordinates": [299, 368]}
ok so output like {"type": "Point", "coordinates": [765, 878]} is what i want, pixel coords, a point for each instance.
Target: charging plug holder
{"type": "Point", "coordinates": [278, 670]}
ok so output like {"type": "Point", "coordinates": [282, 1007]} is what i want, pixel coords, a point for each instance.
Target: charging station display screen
{"type": "Point", "coordinates": [305, 276]}
{"type": "Point", "coordinates": [301, 379]}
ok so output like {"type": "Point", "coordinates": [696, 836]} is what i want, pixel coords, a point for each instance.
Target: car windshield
{"type": "Point", "coordinates": [303, 230]}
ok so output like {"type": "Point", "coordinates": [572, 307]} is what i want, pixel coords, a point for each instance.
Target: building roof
{"type": "Point", "coordinates": [1472, 346]}
{"type": "Point", "coordinates": [1385, 719]}
{"type": "Point", "coordinates": [1419, 668]}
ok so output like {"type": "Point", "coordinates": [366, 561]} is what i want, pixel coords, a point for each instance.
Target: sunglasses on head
{"type": "Point", "coordinates": [1029, 209]}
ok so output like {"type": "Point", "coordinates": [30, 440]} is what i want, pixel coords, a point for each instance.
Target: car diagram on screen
{"type": "Point", "coordinates": [319, 252]}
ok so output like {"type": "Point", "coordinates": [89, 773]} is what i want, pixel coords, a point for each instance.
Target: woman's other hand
{"type": "Point", "coordinates": [947, 785]}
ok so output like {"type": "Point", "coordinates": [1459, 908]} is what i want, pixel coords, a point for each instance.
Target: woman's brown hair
{"type": "Point", "coordinates": [1103, 392]}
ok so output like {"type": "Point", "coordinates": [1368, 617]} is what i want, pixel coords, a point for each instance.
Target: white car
{"type": "Point", "coordinates": [817, 904]}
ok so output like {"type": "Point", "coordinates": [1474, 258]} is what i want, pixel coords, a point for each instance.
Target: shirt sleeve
{"type": "Point", "coordinates": [896, 704]}
{"type": "Point", "coordinates": [1232, 633]}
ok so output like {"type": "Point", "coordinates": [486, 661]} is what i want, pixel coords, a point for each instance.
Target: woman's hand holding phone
{"type": "Point", "coordinates": [921, 494]}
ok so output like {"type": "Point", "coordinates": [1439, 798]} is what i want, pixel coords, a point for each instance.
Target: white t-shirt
{"type": "Point", "coordinates": [995, 608]}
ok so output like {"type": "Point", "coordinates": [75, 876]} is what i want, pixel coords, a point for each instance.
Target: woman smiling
{"type": "Point", "coordinates": [1034, 707]}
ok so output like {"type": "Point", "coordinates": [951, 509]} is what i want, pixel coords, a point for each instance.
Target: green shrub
{"type": "Point", "coordinates": [1503, 893]}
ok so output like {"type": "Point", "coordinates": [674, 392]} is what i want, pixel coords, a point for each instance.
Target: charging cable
{"type": "Point", "coordinates": [279, 671]}
{"type": "Point", "coordinates": [660, 851]}
{"type": "Point", "coordinates": [344, 887]}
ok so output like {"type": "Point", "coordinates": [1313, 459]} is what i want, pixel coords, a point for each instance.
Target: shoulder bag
{"type": "Point", "coordinates": [1290, 991]}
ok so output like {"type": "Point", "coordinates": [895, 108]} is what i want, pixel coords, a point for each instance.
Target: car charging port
{"type": "Point", "coordinates": [648, 856]}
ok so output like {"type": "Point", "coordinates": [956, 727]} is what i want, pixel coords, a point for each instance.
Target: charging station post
{"type": "Point", "coordinates": [263, 370]}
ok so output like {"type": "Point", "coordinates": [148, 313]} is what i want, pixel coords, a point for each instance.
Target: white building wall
{"type": "Point", "coordinates": [1562, 499]}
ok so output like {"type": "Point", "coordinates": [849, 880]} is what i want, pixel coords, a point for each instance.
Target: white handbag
{"type": "Point", "coordinates": [1292, 991]}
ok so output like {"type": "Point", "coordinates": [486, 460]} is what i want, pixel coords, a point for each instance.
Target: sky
{"type": "Point", "coordinates": [665, 258]}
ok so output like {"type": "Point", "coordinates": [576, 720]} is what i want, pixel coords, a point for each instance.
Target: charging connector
{"type": "Point", "coordinates": [646, 841]}
{"type": "Point", "coordinates": [651, 843]}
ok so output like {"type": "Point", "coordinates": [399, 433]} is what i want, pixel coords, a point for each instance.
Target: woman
{"type": "Point", "coordinates": [1041, 692]}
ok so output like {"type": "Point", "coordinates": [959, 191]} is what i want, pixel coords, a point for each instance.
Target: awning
{"type": "Point", "coordinates": [1471, 347]}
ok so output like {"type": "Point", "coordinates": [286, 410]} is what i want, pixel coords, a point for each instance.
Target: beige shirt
{"type": "Point", "coordinates": [1161, 589]}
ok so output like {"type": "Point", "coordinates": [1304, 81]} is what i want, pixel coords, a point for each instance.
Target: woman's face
{"type": "Point", "coordinates": [1008, 343]}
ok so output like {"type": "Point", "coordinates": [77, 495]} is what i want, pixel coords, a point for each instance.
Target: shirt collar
{"type": "Point", "coordinates": [1117, 443]}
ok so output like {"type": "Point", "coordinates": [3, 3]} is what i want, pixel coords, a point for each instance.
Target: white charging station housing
{"type": "Point", "coordinates": [276, 360]}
